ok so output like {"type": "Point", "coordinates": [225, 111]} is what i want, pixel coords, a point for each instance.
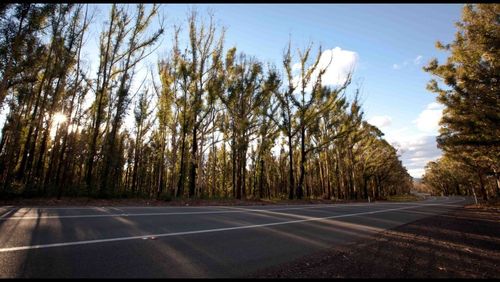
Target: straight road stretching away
{"type": "Point", "coordinates": [164, 242]}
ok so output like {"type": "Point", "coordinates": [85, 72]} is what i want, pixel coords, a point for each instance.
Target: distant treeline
{"type": "Point", "coordinates": [210, 123]}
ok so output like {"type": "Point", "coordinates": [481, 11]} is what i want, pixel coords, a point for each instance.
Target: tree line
{"type": "Point", "coordinates": [470, 126]}
{"type": "Point", "coordinates": [210, 122]}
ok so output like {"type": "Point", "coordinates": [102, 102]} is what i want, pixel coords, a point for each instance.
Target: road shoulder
{"type": "Point", "coordinates": [463, 243]}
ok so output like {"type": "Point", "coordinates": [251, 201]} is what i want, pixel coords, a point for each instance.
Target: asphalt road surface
{"type": "Point", "coordinates": [165, 242]}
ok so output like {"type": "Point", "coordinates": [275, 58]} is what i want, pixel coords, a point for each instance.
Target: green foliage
{"type": "Point", "coordinates": [218, 123]}
{"type": "Point", "coordinates": [470, 128]}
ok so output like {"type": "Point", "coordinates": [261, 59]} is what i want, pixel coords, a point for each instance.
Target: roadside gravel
{"type": "Point", "coordinates": [464, 243]}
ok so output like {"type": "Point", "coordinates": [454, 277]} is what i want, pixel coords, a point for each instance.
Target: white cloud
{"type": "Point", "coordinates": [419, 153]}
{"type": "Point", "coordinates": [418, 60]}
{"type": "Point", "coordinates": [417, 172]}
{"type": "Point", "coordinates": [428, 119]}
{"type": "Point", "coordinates": [415, 151]}
{"type": "Point", "coordinates": [342, 63]}
{"type": "Point", "coordinates": [381, 121]}
{"type": "Point", "coordinates": [416, 148]}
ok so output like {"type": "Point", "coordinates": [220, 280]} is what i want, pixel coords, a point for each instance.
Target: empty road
{"type": "Point", "coordinates": [164, 242]}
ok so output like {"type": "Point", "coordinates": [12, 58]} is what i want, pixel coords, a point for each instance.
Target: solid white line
{"type": "Point", "coordinates": [241, 210]}
{"type": "Point", "coordinates": [171, 207]}
{"type": "Point", "coordinates": [11, 249]}
{"type": "Point", "coordinates": [415, 203]}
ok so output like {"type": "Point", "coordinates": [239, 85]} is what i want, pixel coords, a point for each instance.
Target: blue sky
{"type": "Point", "coordinates": [391, 43]}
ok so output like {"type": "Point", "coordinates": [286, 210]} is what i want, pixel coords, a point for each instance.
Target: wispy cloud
{"type": "Point", "coordinates": [416, 61]}
{"type": "Point", "coordinates": [400, 66]}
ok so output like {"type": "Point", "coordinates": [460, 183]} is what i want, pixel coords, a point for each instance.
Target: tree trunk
{"type": "Point", "coordinates": [481, 182]}
{"type": "Point", "coordinates": [290, 154]}
{"type": "Point", "coordinates": [193, 164]}
{"type": "Point", "coordinates": [497, 182]}
{"type": "Point", "coordinates": [300, 192]}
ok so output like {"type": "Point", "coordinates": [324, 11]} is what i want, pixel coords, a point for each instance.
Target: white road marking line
{"type": "Point", "coordinates": [124, 214]}
{"type": "Point", "coordinates": [441, 204]}
{"type": "Point", "coordinates": [239, 210]}
{"type": "Point", "coordinates": [174, 207]}
{"type": "Point", "coordinates": [86, 242]}
{"type": "Point", "coordinates": [5, 214]}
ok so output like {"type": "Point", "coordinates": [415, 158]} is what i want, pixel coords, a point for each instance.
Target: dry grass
{"type": "Point", "coordinates": [403, 198]}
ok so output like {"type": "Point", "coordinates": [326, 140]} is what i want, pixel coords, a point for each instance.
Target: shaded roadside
{"type": "Point", "coordinates": [463, 243]}
{"type": "Point", "coordinates": [28, 202]}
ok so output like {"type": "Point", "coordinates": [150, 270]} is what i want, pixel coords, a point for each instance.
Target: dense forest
{"type": "Point", "coordinates": [470, 126]}
{"type": "Point", "coordinates": [208, 120]}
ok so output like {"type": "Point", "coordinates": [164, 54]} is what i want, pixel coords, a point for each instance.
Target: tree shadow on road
{"type": "Point", "coordinates": [461, 244]}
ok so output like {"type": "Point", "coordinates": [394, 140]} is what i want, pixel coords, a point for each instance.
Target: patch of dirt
{"type": "Point", "coordinates": [464, 243]}
{"type": "Point", "coordinates": [491, 205]}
